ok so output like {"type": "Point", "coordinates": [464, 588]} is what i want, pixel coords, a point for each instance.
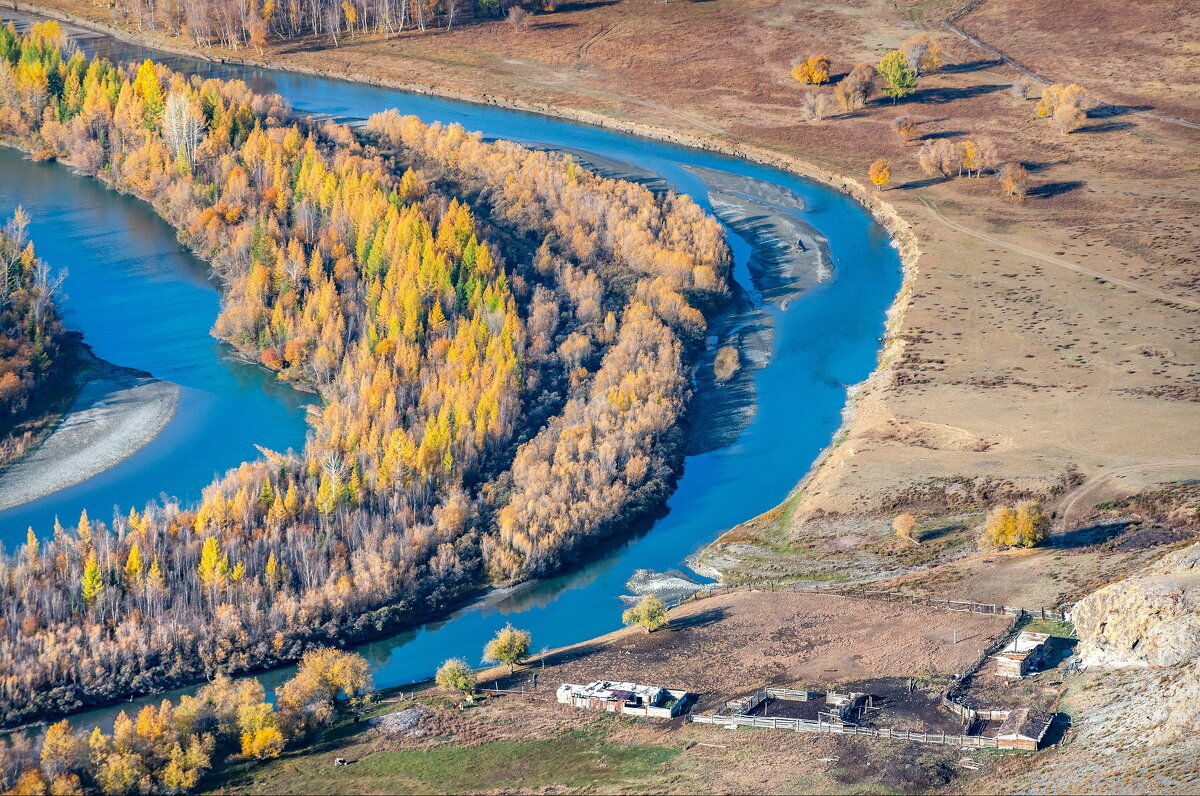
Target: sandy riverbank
{"type": "Point", "coordinates": [118, 412]}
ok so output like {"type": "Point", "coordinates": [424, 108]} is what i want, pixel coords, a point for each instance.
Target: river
{"type": "Point", "coordinates": [142, 302]}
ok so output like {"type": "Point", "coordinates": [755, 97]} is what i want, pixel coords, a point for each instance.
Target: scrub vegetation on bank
{"type": "Point", "coordinates": [500, 380]}
{"type": "Point", "coordinates": [32, 339]}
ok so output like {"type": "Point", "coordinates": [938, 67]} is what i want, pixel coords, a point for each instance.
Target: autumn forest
{"type": "Point", "coordinates": [500, 340]}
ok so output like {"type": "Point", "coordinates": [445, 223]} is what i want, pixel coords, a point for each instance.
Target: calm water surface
{"type": "Point", "coordinates": [823, 342]}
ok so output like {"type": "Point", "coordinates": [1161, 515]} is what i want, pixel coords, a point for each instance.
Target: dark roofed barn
{"type": "Point", "coordinates": [1023, 729]}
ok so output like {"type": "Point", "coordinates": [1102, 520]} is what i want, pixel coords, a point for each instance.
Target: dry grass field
{"type": "Point", "coordinates": [724, 646]}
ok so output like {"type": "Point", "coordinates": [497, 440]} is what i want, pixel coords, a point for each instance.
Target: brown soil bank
{"type": "Point", "coordinates": [1032, 337]}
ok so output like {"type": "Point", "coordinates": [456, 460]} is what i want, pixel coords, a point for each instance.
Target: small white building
{"type": "Point", "coordinates": [1023, 654]}
{"type": "Point", "coordinates": [629, 698]}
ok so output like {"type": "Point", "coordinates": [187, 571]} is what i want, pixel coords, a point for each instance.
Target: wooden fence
{"type": "Point", "coordinates": [793, 695]}
{"type": "Point", "coordinates": [864, 593]}
{"type": "Point", "coordinates": [746, 704]}
{"type": "Point", "coordinates": [950, 605]}
{"type": "Point", "coordinates": [839, 728]}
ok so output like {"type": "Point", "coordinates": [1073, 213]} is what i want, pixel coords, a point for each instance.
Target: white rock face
{"type": "Point", "coordinates": [1151, 619]}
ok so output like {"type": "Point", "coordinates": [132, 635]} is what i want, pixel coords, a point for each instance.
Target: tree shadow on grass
{"type": "Point", "coordinates": [937, 533]}
{"type": "Point", "coordinates": [1083, 537]}
{"type": "Point", "coordinates": [941, 134]}
{"type": "Point", "coordinates": [941, 95]}
{"type": "Point", "coordinates": [702, 619]}
{"type": "Point", "coordinates": [1109, 111]}
{"type": "Point", "coordinates": [1033, 167]}
{"type": "Point", "coordinates": [1106, 127]}
{"type": "Point", "coordinates": [913, 184]}
{"type": "Point", "coordinates": [1049, 189]}
{"type": "Point", "coordinates": [583, 6]}
{"type": "Point", "coordinates": [970, 66]}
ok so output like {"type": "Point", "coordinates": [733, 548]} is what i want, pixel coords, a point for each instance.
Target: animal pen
{"type": "Point", "coordinates": [1021, 728]}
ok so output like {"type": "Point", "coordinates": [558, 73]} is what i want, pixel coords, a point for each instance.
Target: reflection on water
{"type": "Point", "coordinates": [824, 341]}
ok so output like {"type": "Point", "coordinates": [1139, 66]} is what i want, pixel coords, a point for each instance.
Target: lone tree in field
{"type": "Point", "coordinates": [938, 157]}
{"type": "Point", "coordinates": [880, 172]}
{"type": "Point", "coordinates": [1069, 118]}
{"type": "Point", "coordinates": [1064, 105]}
{"type": "Point", "coordinates": [1024, 526]}
{"type": "Point", "coordinates": [650, 613]}
{"type": "Point", "coordinates": [1033, 524]}
{"type": "Point", "coordinates": [905, 128]}
{"type": "Point", "coordinates": [904, 525]}
{"type": "Point", "coordinates": [922, 54]}
{"type": "Point", "coordinates": [855, 89]}
{"type": "Point", "coordinates": [813, 70]}
{"type": "Point", "coordinates": [899, 80]}
{"type": "Point", "coordinates": [1020, 90]}
{"type": "Point", "coordinates": [1014, 180]}
{"type": "Point", "coordinates": [456, 675]}
{"type": "Point", "coordinates": [814, 106]}
{"type": "Point", "coordinates": [510, 646]}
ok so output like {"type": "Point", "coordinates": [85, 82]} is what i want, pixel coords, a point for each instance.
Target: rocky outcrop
{"type": "Point", "coordinates": [1150, 619]}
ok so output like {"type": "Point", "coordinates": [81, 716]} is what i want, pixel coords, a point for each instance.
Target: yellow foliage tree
{"type": "Point", "coordinates": [1000, 528]}
{"type": "Point", "coordinates": [880, 173]}
{"type": "Point", "coordinates": [650, 613]}
{"type": "Point", "coordinates": [904, 525]}
{"type": "Point", "coordinates": [813, 70]}
{"type": "Point", "coordinates": [510, 646]}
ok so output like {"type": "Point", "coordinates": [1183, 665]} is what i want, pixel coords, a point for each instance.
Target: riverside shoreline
{"type": "Point", "coordinates": [117, 412]}
{"type": "Point", "coordinates": [899, 229]}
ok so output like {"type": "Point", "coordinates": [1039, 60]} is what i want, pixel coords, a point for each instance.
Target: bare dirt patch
{"type": "Point", "coordinates": [733, 643]}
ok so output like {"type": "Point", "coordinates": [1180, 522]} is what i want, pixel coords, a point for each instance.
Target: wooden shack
{"type": "Point", "coordinates": [1023, 729]}
{"type": "Point", "coordinates": [1023, 654]}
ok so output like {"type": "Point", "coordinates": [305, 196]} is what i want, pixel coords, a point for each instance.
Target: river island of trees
{"type": "Point", "coordinates": [31, 336]}
{"type": "Point", "coordinates": [500, 340]}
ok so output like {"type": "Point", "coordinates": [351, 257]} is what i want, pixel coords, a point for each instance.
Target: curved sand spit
{"type": "Point", "coordinates": [117, 412]}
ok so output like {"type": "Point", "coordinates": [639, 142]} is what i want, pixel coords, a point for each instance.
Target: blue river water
{"type": "Point", "coordinates": [144, 303]}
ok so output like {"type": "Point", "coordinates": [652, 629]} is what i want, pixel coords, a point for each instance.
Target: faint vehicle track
{"type": "Point", "coordinates": [1166, 298]}
{"type": "Point", "coordinates": [950, 23]}
{"type": "Point", "coordinates": [1070, 506]}
{"type": "Point", "coordinates": [587, 45]}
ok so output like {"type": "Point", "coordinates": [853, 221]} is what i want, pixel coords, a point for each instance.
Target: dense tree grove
{"type": "Point", "coordinates": [237, 23]}
{"type": "Point", "coordinates": [170, 748]}
{"type": "Point", "coordinates": [495, 388]}
{"type": "Point", "coordinates": [31, 334]}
